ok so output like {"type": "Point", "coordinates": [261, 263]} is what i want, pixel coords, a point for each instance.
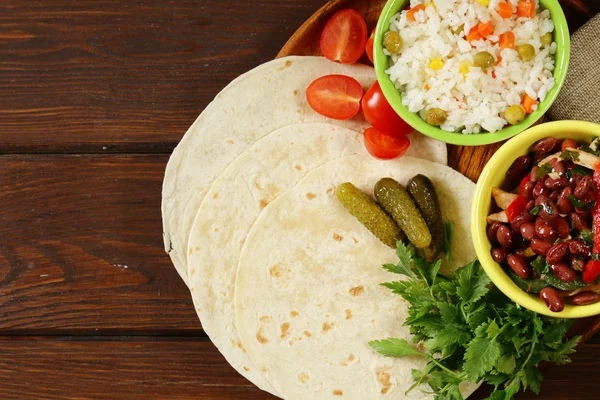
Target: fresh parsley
{"type": "Point", "coordinates": [578, 170]}
{"type": "Point", "coordinates": [543, 170]}
{"type": "Point", "coordinates": [580, 204]}
{"type": "Point", "coordinates": [536, 210]}
{"type": "Point", "coordinates": [468, 330]}
{"type": "Point", "coordinates": [569, 155]}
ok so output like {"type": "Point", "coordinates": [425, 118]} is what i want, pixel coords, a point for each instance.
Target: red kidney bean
{"type": "Point", "coordinates": [585, 298]}
{"type": "Point", "coordinates": [544, 230]}
{"type": "Point", "coordinates": [563, 272]}
{"type": "Point", "coordinates": [537, 157]}
{"type": "Point", "coordinates": [540, 190]}
{"type": "Point", "coordinates": [528, 190]}
{"type": "Point", "coordinates": [578, 221]}
{"type": "Point", "coordinates": [544, 145]}
{"type": "Point", "coordinates": [552, 299]}
{"type": "Point", "coordinates": [504, 236]}
{"type": "Point", "coordinates": [520, 219]}
{"type": "Point", "coordinates": [568, 144]}
{"type": "Point", "coordinates": [579, 248]}
{"type": "Point", "coordinates": [493, 230]}
{"type": "Point", "coordinates": [557, 183]}
{"type": "Point", "coordinates": [541, 199]}
{"type": "Point", "coordinates": [519, 168]}
{"type": "Point", "coordinates": [563, 228]}
{"type": "Point", "coordinates": [549, 213]}
{"type": "Point", "coordinates": [499, 254]}
{"type": "Point", "coordinates": [530, 205]}
{"type": "Point", "coordinates": [518, 264]}
{"type": "Point", "coordinates": [554, 195]}
{"type": "Point", "coordinates": [577, 264]}
{"type": "Point", "coordinates": [583, 187]}
{"type": "Point", "coordinates": [540, 247]}
{"type": "Point", "coordinates": [533, 173]}
{"type": "Point", "coordinates": [558, 145]}
{"type": "Point", "coordinates": [559, 167]}
{"type": "Point", "coordinates": [528, 230]}
{"type": "Point", "coordinates": [574, 179]}
{"type": "Point", "coordinates": [563, 204]}
{"type": "Point", "coordinates": [557, 252]}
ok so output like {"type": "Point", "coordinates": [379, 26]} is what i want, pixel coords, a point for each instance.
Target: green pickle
{"type": "Point", "coordinates": [425, 197]}
{"type": "Point", "coordinates": [369, 213]}
{"type": "Point", "coordinates": [396, 201]}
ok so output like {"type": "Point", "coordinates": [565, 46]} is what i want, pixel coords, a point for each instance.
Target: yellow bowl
{"type": "Point", "coordinates": [494, 175]}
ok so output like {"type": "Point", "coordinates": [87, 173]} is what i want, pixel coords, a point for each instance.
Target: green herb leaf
{"type": "Point", "coordinates": [536, 210]}
{"type": "Point", "coordinates": [448, 235]}
{"type": "Point", "coordinates": [569, 155]}
{"type": "Point", "coordinates": [543, 170]}
{"type": "Point", "coordinates": [507, 364]}
{"type": "Point", "coordinates": [398, 269]}
{"type": "Point", "coordinates": [580, 204]}
{"type": "Point", "coordinates": [588, 237]}
{"type": "Point", "coordinates": [481, 356]}
{"type": "Point", "coordinates": [578, 170]}
{"type": "Point", "coordinates": [394, 348]}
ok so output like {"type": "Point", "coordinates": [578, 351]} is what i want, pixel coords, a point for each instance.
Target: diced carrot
{"type": "Point", "coordinates": [411, 13]}
{"type": "Point", "coordinates": [526, 8]}
{"type": "Point", "coordinates": [474, 35]}
{"type": "Point", "coordinates": [507, 40]}
{"type": "Point", "coordinates": [485, 29]}
{"type": "Point", "coordinates": [426, 87]}
{"type": "Point", "coordinates": [528, 103]}
{"type": "Point", "coordinates": [505, 10]}
{"type": "Point", "coordinates": [494, 74]}
{"type": "Point", "coordinates": [499, 60]}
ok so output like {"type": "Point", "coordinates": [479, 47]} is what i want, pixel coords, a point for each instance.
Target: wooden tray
{"type": "Point", "coordinates": [467, 160]}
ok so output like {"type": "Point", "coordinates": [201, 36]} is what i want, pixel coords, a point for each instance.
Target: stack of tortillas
{"type": "Point", "coordinates": [285, 281]}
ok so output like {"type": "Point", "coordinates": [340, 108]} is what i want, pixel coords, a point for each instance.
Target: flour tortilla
{"type": "Point", "coordinates": [258, 176]}
{"type": "Point", "coordinates": [257, 103]}
{"type": "Point", "coordinates": [308, 294]}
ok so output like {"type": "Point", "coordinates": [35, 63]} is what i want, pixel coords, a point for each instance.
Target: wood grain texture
{"type": "Point", "coordinates": [128, 76]}
{"type": "Point", "coordinates": [81, 248]}
{"type": "Point", "coordinates": [467, 160]}
{"type": "Point", "coordinates": [182, 369]}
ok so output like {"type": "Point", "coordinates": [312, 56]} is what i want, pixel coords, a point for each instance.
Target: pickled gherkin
{"type": "Point", "coordinates": [369, 213]}
{"type": "Point", "coordinates": [425, 197]}
{"type": "Point", "coordinates": [396, 201]}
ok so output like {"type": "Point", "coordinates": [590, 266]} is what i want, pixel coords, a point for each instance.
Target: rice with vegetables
{"type": "Point", "coordinates": [472, 65]}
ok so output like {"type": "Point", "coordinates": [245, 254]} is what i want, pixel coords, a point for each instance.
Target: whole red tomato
{"type": "Point", "coordinates": [380, 114]}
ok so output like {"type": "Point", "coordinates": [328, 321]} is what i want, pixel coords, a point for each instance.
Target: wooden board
{"type": "Point", "coordinates": [467, 160]}
{"type": "Point", "coordinates": [81, 250]}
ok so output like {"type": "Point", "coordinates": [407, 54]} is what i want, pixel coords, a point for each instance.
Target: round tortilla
{"type": "Point", "coordinates": [308, 294]}
{"type": "Point", "coordinates": [253, 105]}
{"type": "Point", "coordinates": [257, 177]}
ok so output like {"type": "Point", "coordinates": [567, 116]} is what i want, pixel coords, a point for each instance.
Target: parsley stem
{"type": "Point", "coordinates": [443, 367]}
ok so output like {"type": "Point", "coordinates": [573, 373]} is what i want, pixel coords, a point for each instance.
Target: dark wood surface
{"type": "Point", "coordinates": [94, 94]}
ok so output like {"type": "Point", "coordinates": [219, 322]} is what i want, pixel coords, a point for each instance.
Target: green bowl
{"type": "Point", "coordinates": [561, 36]}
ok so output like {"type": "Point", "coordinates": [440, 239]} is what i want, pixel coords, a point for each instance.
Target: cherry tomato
{"type": "Point", "coordinates": [380, 114]}
{"type": "Point", "coordinates": [383, 146]}
{"type": "Point", "coordinates": [335, 96]}
{"type": "Point", "coordinates": [369, 46]}
{"type": "Point", "coordinates": [344, 37]}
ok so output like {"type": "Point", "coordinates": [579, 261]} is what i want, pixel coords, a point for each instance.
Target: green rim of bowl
{"type": "Point", "coordinates": [561, 36]}
{"type": "Point", "coordinates": [493, 175]}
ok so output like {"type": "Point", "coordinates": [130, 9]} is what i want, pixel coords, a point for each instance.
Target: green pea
{"type": "Point", "coordinates": [515, 114]}
{"type": "Point", "coordinates": [483, 60]}
{"type": "Point", "coordinates": [458, 29]}
{"type": "Point", "coordinates": [526, 52]}
{"type": "Point", "coordinates": [392, 41]}
{"type": "Point", "coordinates": [547, 39]}
{"type": "Point", "coordinates": [435, 116]}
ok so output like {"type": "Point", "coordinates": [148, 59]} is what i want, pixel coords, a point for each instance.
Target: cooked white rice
{"type": "Point", "coordinates": [475, 101]}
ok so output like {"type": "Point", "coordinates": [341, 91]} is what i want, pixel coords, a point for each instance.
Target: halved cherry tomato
{"type": "Point", "coordinates": [383, 146]}
{"type": "Point", "coordinates": [507, 40]}
{"type": "Point", "coordinates": [369, 46]}
{"type": "Point", "coordinates": [380, 114]}
{"type": "Point", "coordinates": [344, 37]}
{"type": "Point", "coordinates": [335, 96]}
{"type": "Point", "coordinates": [526, 8]}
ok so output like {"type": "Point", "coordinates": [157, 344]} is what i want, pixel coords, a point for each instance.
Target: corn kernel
{"type": "Point", "coordinates": [436, 64]}
{"type": "Point", "coordinates": [430, 3]}
{"type": "Point", "coordinates": [464, 67]}
{"type": "Point", "coordinates": [484, 3]}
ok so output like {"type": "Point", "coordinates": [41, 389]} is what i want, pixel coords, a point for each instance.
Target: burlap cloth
{"type": "Point", "coordinates": [579, 98]}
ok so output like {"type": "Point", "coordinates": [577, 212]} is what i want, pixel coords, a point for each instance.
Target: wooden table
{"type": "Point", "coordinates": [94, 95]}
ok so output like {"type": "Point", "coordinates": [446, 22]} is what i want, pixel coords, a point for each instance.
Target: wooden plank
{"type": "Point", "coordinates": [81, 76]}
{"type": "Point", "coordinates": [159, 368]}
{"type": "Point", "coordinates": [82, 249]}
